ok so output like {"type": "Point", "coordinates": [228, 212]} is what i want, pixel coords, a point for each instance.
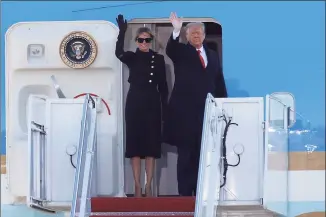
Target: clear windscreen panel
{"type": "Point", "coordinates": [85, 160]}
{"type": "Point", "coordinates": [307, 147]}
{"type": "Point", "coordinates": [277, 152]}
{"type": "Point", "coordinates": [303, 139]}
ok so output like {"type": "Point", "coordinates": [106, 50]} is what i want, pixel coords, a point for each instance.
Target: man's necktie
{"type": "Point", "coordinates": [201, 58]}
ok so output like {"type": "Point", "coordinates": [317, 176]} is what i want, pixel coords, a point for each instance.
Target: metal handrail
{"type": "Point", "coordinates": [38, 129]}
{"type": "Point", "coordinates": [211, 134]}
{"type": "Point", "coordinates": [297, 113]}
{"type": "Point", "coordinates": [86, 145]}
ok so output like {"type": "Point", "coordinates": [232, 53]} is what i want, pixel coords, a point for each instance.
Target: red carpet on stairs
{"type": "Point", "coordinates": [142, 216]}
{"type": "Point", "coordinates": [145, 204]}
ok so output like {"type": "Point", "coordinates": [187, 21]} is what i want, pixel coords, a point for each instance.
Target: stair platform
{"type": "Point", "coordinates": [143, 204]}
{"type": "Point", "coordinates": [166, 206]}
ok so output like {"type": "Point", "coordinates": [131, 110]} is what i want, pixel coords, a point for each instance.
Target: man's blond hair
{"type": "Point", "coordinates": [197, 24]}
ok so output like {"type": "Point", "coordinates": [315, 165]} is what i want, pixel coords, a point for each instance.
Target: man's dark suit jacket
{"type": "Point", "coordinates": [185, 114]}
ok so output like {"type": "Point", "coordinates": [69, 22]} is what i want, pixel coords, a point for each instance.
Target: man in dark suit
{"type": "Point", "coordinates": [197, 72]}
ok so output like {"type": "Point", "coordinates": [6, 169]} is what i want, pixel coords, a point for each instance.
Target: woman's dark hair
{"type": "Point", "coordinates": [144, 30]}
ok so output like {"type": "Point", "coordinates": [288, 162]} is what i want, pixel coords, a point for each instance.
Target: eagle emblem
{"type": "Point", "coordinates": [78, 50]}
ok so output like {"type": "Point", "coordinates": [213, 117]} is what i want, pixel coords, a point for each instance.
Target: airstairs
{"type": "Point", "coordinates": [210, 200]}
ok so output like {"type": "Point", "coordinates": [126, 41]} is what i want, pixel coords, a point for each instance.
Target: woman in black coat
{"type": "Point", "coordinates": [146, 102]}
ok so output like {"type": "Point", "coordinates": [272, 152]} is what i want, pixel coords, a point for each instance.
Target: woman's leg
{"type": "Point", "coordinates": [149, 167]}
{"type": "Point", "coordinates": [136, 169]}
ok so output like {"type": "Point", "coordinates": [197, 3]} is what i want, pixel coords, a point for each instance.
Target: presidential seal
{"type": "Point", "coordinates": [78, 50]}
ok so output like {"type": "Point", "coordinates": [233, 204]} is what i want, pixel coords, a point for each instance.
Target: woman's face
{"type": "Point", "coordinates": [144, 41]}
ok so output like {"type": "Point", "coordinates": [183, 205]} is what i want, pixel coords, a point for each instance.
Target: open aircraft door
{"type": "Point", "coordinates": [81, 56]}
{"type": "Point", "coordinates": [280, 115]}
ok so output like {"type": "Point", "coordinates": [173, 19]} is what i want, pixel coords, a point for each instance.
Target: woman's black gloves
{"type": "Point", "coordinates": [122, 23]}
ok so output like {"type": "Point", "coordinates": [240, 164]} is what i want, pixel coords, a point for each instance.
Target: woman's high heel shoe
{"type": "Point", "coordinates": [148, 191]}
{"type": "Point", "coordinates": [138, 192]}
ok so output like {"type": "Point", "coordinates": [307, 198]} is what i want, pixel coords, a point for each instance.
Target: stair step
{"type": "Point", "coordinates": [144, 214]}
{"type": "Point", "coordinates": [146, 204]}
{"type": "Point", "coordinates": [244, 211]}
{"type": "Point", "coordinates": [141, 216]}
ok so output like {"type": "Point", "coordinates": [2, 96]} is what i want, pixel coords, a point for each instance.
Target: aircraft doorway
{"type": "Point", "coordinates": [165, 178]}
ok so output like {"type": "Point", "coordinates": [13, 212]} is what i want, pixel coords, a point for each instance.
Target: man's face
{"type": "Point", "coordinates": [195, 36]}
